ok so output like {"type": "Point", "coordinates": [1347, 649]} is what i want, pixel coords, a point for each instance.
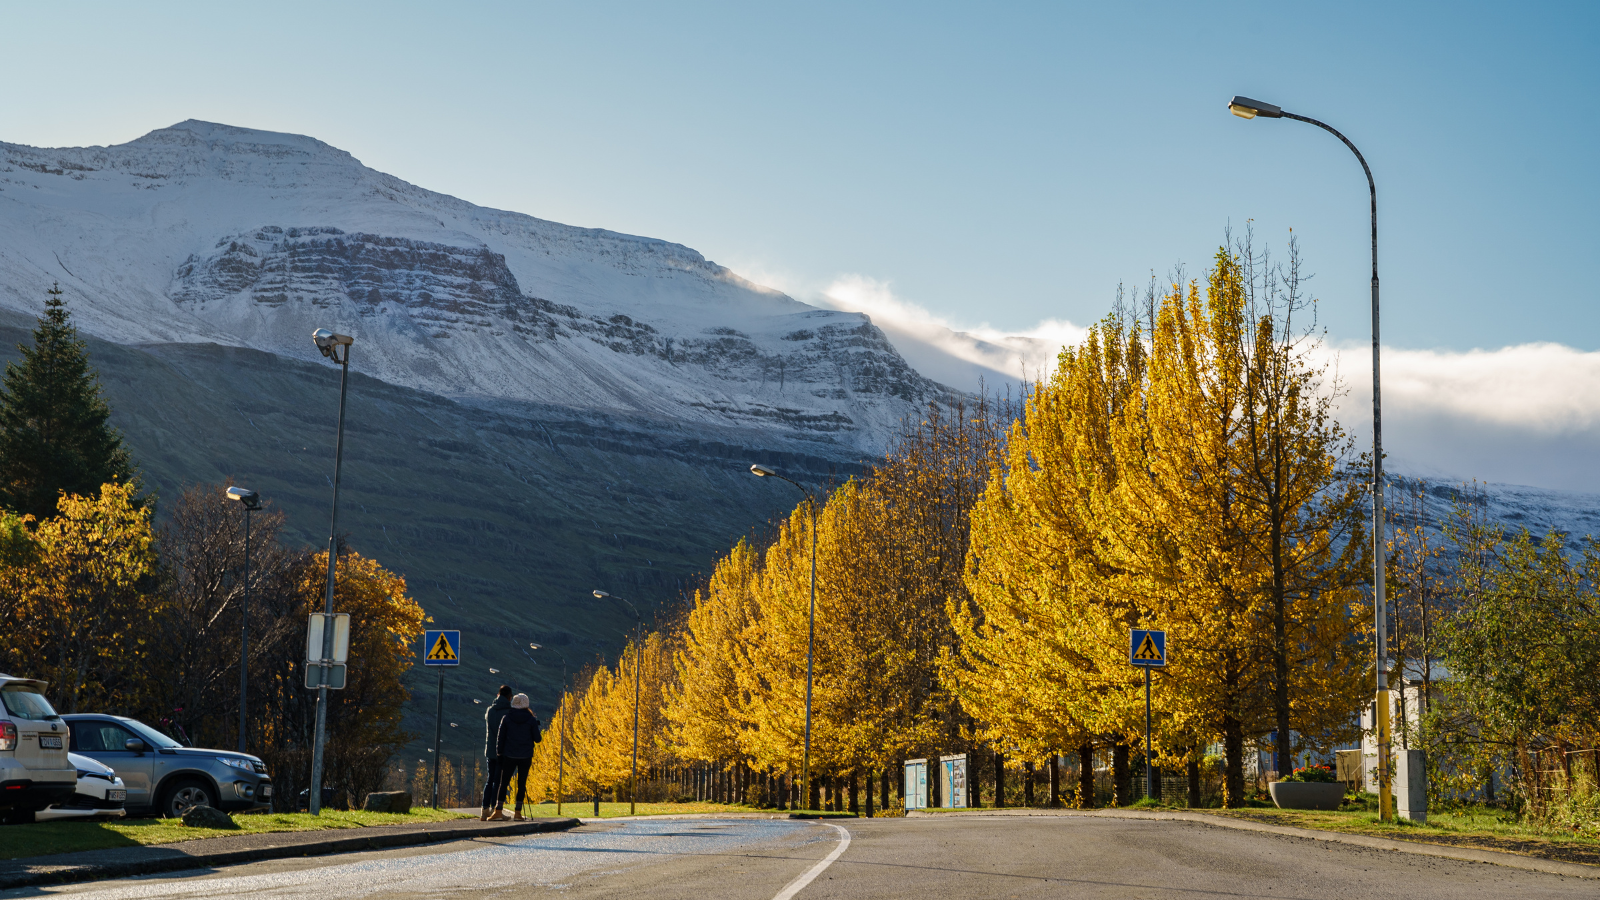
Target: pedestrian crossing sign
{"type": "Point", "coordinates": [1147, 647]}
{"type": "Point", "coordinates": [441, 648]}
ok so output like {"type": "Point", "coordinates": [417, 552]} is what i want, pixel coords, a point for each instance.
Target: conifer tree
{"type": "Point", "coordinates": [55, 435]}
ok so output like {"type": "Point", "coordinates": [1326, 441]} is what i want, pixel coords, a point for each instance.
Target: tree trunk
{"type": "Point", "coordinates": [1055, 781]}
{"type": "Point", "coordinates": [1233, 763]}
{"type": "Point", "coordinates": [999, 780]}
{"type": "Point", "coordinates": [1121, 781]}
{"type": "Point", "coordinates": [883, 783]}
{"type": "Point", "coordinates": [869, 787]}
{"type": "Point", "coordinates": [1027, 783]}
{"type": "Point", "coordinates": [854, 792]}
{"type": "Point", "coordinates": [1194, 782]}
{"type": "Point", "coordinates": [1086, 796]}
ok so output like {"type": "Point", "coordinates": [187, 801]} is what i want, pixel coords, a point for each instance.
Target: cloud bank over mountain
{"type": "Point", "coordinates": [1526, 414]}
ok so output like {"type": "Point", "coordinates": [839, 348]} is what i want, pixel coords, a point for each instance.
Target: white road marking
{"type": "Point", "coordinates": [798, 884]}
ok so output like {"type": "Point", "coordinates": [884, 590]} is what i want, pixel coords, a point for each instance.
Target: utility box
{"type": "Point", "coordinates": [915, 790]}
{"type": "Point", "coordinates": [953, 781]}
{"type": "Point", "coordinates": [1411, 785]}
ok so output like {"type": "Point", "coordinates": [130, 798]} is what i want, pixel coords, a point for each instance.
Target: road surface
{"type": "Point", "coordinates": [921, 858]}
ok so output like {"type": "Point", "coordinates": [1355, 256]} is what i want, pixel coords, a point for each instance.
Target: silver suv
{"type": "Point", "coordinates": [34, 769]}
{"type": "Point", "coordinates": [164, 777]}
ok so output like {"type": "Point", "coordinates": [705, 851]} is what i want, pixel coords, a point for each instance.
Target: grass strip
{"type": "Point", "coordinates": [43, 838]}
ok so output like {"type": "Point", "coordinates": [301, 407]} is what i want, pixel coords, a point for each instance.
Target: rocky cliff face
{"type": "Point", "coordinates": [203, 232]}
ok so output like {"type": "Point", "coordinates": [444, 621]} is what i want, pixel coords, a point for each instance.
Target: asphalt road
{"type": "Point", "coordinates": [968, 857]}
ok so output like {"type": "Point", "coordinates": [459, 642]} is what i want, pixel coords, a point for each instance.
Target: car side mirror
{"type": "Point", "coordinates": [134, 745]}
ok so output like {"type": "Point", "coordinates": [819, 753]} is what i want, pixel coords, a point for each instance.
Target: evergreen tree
{"type": "Point", "coordinates": [54, 431]}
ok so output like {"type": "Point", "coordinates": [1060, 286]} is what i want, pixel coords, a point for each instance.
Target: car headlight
{"type": "Point", "coordinates": [236, 763]}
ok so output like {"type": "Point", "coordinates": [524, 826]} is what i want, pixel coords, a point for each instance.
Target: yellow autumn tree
{"type": "Point", "coordinates": [85, 582]}
{"type": "Point", "coordinates": [1189, 481]}
{"type": "Point", "coordinates": [701, 704]}
{"type": "Point", "coordinates": [1035, 635]}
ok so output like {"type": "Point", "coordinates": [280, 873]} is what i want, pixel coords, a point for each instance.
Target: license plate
{"type": "Point", "coordinates": [50, 741]}
{"type": "Point", "coordinates": [264, 791]}
{"type": "Point", "coordinates": [116, 796]}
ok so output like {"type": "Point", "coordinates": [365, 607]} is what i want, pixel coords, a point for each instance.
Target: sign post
{"type": "Point", "coordinates": [1147, 649]}
{"type": "Point", "coordinates": [440, 648]}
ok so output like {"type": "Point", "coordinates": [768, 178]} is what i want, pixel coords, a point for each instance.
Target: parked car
{"type": "Point", "coordinates": [34, 769]}
{"type": "Point", "coordinates": [165, 778]}
{"type": "Point", "coordinates": [100, 794]}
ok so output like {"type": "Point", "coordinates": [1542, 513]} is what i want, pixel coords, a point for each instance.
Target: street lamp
{"type": "Point", "coordinates": [638, 666]}
{"type": "Point", "coordinates": [561, 748]}
{"type": "Point", "coordinates": [251, 501]}
{"type": "Point", "coordinates": [1245, 108]}
{"type": "Point", "coordinates": [761, 471]}
{"type": "Point", "coordinates": [329, 343]}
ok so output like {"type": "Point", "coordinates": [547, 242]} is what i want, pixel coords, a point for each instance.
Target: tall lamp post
{"type": "Point", "coordinates": [561, 748]}
{"type": "Point", "coordinates": [638, 666]}
{"type": "Point", "coordinates": [330, 344]}
{"type": "Point", "coordinates": [251, 501]}
{"type": "Point", "coordinates": [811, 622]}
{"type": "Point", "coordinates": [1246, 108]}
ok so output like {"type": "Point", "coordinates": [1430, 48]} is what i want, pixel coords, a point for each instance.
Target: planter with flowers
{"type": "Point", "coordinates": [1310, 787]}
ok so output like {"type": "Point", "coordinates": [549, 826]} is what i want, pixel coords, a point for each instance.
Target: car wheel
{"type": "Point", "coordinates": [184, 796]}
{"type": "Point", "coordinates": [17, 817]}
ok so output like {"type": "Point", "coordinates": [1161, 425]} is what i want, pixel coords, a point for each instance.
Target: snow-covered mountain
{"type": "Point", "coordinates": [210, 233]}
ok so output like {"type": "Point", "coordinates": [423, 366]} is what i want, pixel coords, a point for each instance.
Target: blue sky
{"type": "Point", "coordinates": [991, 163]}
{"type": "Point", "coordinates": [999, 165]}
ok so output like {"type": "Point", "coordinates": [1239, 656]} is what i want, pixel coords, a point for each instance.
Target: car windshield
{"type": "Point", "coordinates": [22, 701]}
{"type": "Point", "coordinates": [151, 736]}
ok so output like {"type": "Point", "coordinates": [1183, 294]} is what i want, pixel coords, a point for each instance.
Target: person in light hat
{"type": "Point", "coordinates": [519, 732]}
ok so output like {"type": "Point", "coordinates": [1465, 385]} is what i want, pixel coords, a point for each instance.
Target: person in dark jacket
{"type": "Point", "coordinates": [519, 731]}
{"type": "Point", "coordinates": [494, 794]}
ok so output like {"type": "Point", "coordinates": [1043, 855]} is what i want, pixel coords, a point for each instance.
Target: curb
{"type": "Point", "coordinates": [42, 872]}
{"type": "Point", "coordinates": [1491, 857]}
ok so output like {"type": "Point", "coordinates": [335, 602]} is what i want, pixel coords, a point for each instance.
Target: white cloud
{"type": "Point", "coordinates": [921, 336]}
{"type": "Point", "coordinates": [1526, 414]}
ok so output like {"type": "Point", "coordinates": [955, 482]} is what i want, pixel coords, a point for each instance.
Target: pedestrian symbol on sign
{"type": "Point", "coordinates": [1147, 648]}
{"type": "Point", "coordinates": [444, 648]}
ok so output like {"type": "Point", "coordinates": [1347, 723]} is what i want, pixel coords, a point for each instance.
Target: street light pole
{"type": "Point", "coordinates": [638, 667]}
{"type": "Point", "coordinates": [251, 502]}
{"type": "Point", "coordinates": [811, 623]}
{"type": "Point", "coordinates": [329, 343]}
{"type": "Point", "coordinates": [1246, 108]}
{"type": "Point", "coordinates": [561, 748]}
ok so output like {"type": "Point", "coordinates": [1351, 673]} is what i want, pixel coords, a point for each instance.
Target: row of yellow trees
{"type": "Point", "coordinates": [1180, 469]}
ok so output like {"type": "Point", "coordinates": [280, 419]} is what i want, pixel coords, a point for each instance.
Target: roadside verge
{"type": "Point", "coordinates": [122, 862]}
{"type": "Point", "coordinates": [1469, 854]}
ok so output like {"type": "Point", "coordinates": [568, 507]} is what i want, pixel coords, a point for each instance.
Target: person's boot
{"type": "Point", "coordinates": [484, 815]}
{"type": "Point", "coordinates": [518, 815]}
{"type": "Point", "coordinates": [498, 816]}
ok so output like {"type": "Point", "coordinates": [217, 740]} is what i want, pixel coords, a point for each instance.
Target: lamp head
{"type": "Point", "coordinates": [329, 342]}
{"type": "Point", "coordinates": [762, 471]}
{"type": "Point", "coordinates": [600, 595]}
{"type": "Point", "coordinates": [1245, 108]}
{"type": "Point", "coordinates": [249, 498]}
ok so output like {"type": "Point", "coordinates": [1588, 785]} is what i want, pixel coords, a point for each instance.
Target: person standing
{"type": "Point", "coordinates": [494, 794]}
{"type": "Point", "coordinates": [519, 731]}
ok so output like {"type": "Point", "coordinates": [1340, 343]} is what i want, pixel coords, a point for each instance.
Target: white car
{"type": "Point", "coordinates": [34, 771]}
{"type": "Point", "coordinates": [100, 794]}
